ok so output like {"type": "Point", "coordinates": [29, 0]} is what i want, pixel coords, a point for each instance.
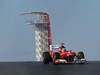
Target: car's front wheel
{"type": "Point", "coordinates": [46, 57]}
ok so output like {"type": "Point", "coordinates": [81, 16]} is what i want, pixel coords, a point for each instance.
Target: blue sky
{"type": "Point", "coordinates": [75, 22]}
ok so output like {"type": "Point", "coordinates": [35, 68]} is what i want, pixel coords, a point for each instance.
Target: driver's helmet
{"type": "Point", "coordinates": [62, 45]}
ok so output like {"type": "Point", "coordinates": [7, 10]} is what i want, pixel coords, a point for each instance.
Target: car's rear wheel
{"type": "Point", "coordinates": [46, 57]}
{"type": "Point", "coordinates": [80, 55]}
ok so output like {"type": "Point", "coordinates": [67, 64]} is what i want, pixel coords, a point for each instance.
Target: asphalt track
{"type": "Point", "coordinates": [38, 68]}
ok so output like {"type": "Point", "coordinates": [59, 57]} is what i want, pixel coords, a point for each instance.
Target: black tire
{"type": "Point", "coordinates": [80, 55]}
{"type": "Point", "coordinates": [56, 56]}
{"type": "Point", "coordinates": [46, 57]}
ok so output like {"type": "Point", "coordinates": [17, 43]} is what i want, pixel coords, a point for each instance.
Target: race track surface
{"type": "Point", "coordinates": [38, 68]}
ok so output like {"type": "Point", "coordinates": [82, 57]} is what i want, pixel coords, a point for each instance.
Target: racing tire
{"type": "Point", "coordinates": [80, 55]}
{"type": "Point", "coordinates": [46, 57]}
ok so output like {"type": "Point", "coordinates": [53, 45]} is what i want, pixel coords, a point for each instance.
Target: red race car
{"type": "Point", "coordinates": [61, 55]}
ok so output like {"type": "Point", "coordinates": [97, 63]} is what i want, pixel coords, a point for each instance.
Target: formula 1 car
{"type": "Point", "coordinates": [63, 56]}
